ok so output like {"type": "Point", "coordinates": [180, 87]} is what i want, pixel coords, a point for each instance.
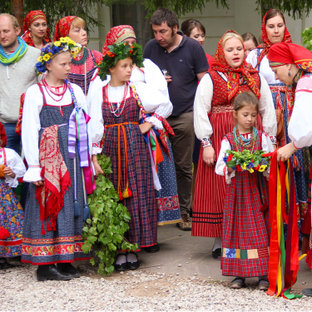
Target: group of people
{"type": "Point", "coordinates": [167, 117]}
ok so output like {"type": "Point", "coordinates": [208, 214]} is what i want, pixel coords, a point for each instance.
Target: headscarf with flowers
{"type": "Point", "coordinates": [266, 45]}
{"type": "Point", "coordinates": [289, 53]}
{"type": "Point", "coordinates": [233, 74]}
{"type": "Point", "coordinates": [31, 17]}
{"type": "Point", "coordinates": [50, 50]}
{"type": "Point", "coordinates": [62, 27]}
{"type": "Point", "coordinates": [117, 52]}
{"type": "Point", "coordinates": [118, 34]}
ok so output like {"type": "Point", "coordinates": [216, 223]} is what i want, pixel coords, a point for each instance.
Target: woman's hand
{"type": "Point", "coordinates": [209, 155]}
{"type": "Point", "coordinates": [145, 127]}
{"type": "Point", "coordinates": [285, 152]}
{"type": "Point", "coordinates": [9, 172]}
{"type": "Point", "coordinates": [97, 168]}
{"type": "Point", "coordinates": [38, 183]}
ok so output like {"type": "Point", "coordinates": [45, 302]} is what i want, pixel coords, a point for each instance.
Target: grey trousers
{"type": "Point", "coordinates": [182, 146]}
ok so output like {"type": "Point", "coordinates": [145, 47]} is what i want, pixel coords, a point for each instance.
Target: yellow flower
{"type": "Point", "coordinates": [262, 168]}
{"type": "Point", "coordinates": [46, 57]}
{"type": "Point", "coordinates": [243, 166]}
{"type": "Point", "coordinates": [39, 59]}
{"type": "Point", "coordinates": [63, 40]}
{"type": "Point", "coordinates": [251, 170]}
{"type": "Point", "coordinates": [57, 43]}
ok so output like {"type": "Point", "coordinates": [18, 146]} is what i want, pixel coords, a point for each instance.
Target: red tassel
{"type": "Point", "coordinates": [4, 233]}
{"type": "Point", "coordinates": [120, 196]}
{"type": "Point", "coordinates": [127, 193]}
{"type": "Point", "coordinates": [309, 259]}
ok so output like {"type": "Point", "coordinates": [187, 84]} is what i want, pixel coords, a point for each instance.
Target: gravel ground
{"type": "Point", "coordinates": [132, 291]}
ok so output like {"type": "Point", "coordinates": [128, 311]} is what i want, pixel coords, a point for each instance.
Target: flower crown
{"type": "Point", "coordinates": [117, 52]}
{"type": "Point", "coordinates": [53, 48]}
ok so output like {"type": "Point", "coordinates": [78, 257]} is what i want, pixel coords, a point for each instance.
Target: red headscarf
{"type": "Point", "coordinates": [62, 27]}
{"type": "Point", "coordinates": [266, 45]}
{"type": "Point", "coordinates": [290, 53]}
{"type": "Point", "coordinates": [118, 34]}
{"type": "Point", "coordinates": [246, 70]}
{"type": "Point", "coordinates": [3, 135]}
{"type": "Point", "coordinates": [29, 19]}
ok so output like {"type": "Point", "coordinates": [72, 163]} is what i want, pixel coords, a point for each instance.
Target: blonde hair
{"type": "Point", "coordinates": [12, 18]}
{"type": "Point", "coordinates": [231, 35]}
{"type": "Point", "coordinates": [77, 22]}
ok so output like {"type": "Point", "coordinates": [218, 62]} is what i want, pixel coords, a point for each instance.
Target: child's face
{"type": "Point", "coordinates": [246, 117]}
{"type": "Point", "coordinates": [59, 67]}
{"type": "Point", "coordinates": [122, 71]}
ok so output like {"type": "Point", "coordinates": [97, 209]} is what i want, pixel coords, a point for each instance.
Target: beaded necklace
{"type": "Point", "coordinates": [83, 59]}
{"type": "Point", "coordinates": [50, 91]}
{"type": "Point", "coordinates": [119, 105]}
{"type": "Point", "coordinates": [245, 143]}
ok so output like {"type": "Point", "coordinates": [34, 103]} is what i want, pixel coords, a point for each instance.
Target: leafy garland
{"type": "Point", "coordinates": [53, 48]}
{"type": "Point", "coordinates": [245, 160]}
{"type": "Point", "coordinates": [117, 52]}
{"type": "Point", "coordinates": [104, 233]}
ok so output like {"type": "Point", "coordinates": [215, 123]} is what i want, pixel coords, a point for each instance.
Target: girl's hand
{"type": "Point", "coordinates": [145, 127]}
{"type": "Point", "coordinates": [209, 155]}
{"type": "Point", "coordinates": [230, 170]}
{"type": "Point", "coordinates": [285, 152]}
{"type": "Point", "coordinates": [97, 168]}
{"type": "Point", "coordinates": [9, 172]}
{"type": "Point", "coordinates": [38, 183]}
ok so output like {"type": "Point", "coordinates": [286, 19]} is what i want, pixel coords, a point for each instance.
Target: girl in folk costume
{"type": "Point", "coordinates": [292, 64]}
{"type": "Point", "coordinates": [115, 116]}
{"type": "Point", "coordinates": [84, 63]}
{"type": "Point", "coordinates": [35, 29]}
{"type": "Point", "coordinates": [11, 212]}
{"type": "Point", "coordinates": [213, 108]}
{"type": "Point", "coordinates": [53, 112]}
{"type": "Point", "coordinates": [168, 210]}
{"type": "Point", "coordinates": [274, 30]}
{"type": "Point", "coordinates": [245, 241]}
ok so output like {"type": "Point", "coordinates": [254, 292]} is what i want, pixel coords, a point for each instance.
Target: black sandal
{"type": "Point", "coordinates": [237, 283]}
{"type": "Point", "coordinates": [133, 265]}
{"type": "Point", "coordinates": [123, 266]}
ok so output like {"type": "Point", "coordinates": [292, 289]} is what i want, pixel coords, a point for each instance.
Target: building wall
{"type": "Point", "coordinates": [242, 16]}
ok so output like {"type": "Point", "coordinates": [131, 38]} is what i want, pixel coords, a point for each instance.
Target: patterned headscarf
{"type": "Point", "coordinates": [118, 34]}
{"type": "Point", "coordinates": [266, 45]}
{"type": "Point", "coordinates": [31, 17]}
{"type": "Point", "coordinates": [233, 74]}
{"type": "Point", "coordinates": [62, 27]}
{"type": "Point", "coordinates": [289, 53]}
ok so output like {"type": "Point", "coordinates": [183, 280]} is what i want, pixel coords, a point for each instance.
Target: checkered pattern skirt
{"type": "Point", "coordinates": [142, 204]}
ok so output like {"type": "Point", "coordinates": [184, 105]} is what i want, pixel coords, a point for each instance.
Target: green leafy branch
{"type": "Point", "coordinates": [104, 232]}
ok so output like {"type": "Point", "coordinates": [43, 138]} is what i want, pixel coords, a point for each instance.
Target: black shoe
{"type": "Point", "coordinates": [68, 269]}
{"type": "Point", "coordinates": [133, 265]}
{"type": "Point", "coordinates": [6, 265]}
{"type": "Point", "coordinates": [123, 266]}
{"type": "Point", "coordinates": [50, 272]}
{"type": "Point", "coordinates": [216, 253]}
{"type": "Point", "coordinates": [152, 249]}
{"type": "Point", "coordinates": [237, 283]}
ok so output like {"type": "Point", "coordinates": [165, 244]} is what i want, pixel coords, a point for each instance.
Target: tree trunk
{"type": "Point", "coordinates": [17, 9]}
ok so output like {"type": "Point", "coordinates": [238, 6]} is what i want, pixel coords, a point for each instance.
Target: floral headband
{"type": "Point", "coordinates": [117, 52]}
{"type": "Point", "coordinates": [52, 49]}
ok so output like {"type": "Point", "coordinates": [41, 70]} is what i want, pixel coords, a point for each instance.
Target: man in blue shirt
{"type": "Point", "coordinates": [183, 63]}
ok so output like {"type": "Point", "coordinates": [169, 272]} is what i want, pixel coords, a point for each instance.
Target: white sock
{"type": "Point", "coordinates": [217, 243]}
{"type": "Point", "coordinates": [121, 259]}
{"type": "Point", "coordinates": [131, 257]}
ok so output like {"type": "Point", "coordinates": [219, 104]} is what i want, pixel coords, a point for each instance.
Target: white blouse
{"type": "Point", "coordinates": [153, 93]}
{"type": "Point", "coordinates": [263, 68]}
{"type": "Point", "coordinates": [31, 124]}
{"type": "Point", "coordinates": [15, 162]}
{"type": "Point", "coordinates": [300, 124]}
{"type": "Point", "coordinates": [202, 106]}
{"type": "Point", "coordinates": [221, 168]}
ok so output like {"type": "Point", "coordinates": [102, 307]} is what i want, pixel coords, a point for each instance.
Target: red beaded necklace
{"type": "Point", "coordinates": [119, 105]}
{"type": "Point", "coordinates": [56, 92]}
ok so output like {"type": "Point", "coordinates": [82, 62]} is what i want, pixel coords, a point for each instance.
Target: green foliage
{"type": "Point", "coordinates": [307, 38]}
{"type": "Point", "coordinates": [104, 233]}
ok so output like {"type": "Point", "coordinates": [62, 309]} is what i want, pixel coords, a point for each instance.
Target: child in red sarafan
{"type": "Point", "coordinates": [245, 240]}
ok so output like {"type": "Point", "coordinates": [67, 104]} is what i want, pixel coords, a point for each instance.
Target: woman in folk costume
{"type": "Point", "coordinates": [115, 115]}
{"type": "Point", "coordinates": [54, 213]}
{"type": "Point", "coordinates": [168, 210]}
{"type": "Point", "coordinates": [84, 64]}
{"type": "Point", "coordinates": [11, 212]}
{"type": "Point", "coordinates": [213, 118]}
{"type": "Point", "coordinates": [35, 29]}
{"type": "Point", "coordinates": [274, 30]}
{"type": "Point", "coordinates": [245, 239]}
{"type": "Point", "coordinates": [292, 64]}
